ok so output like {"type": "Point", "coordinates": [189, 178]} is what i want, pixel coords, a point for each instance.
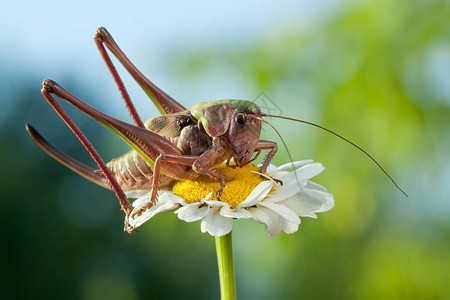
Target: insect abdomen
{"type": "Point", "coordinates": [131, 171]}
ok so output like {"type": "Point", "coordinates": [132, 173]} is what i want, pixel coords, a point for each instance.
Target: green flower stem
{"type": "Point", "coordinates": [224, 250]}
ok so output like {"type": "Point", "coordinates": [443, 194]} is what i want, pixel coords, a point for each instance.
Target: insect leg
{"type": "Point", "coordinates": [186, 160]}
{"type": "Point", "coordinates": [258, 152]}
{"type": "Point", "coordinates": [118, 80]}
{"type": "Point", "coordinates": [264, 145]}
{"type": "Point", "coordinates": [204, 163]}
{"type": "Point", "coordinates": [164, 103]}
{"type": "Point", "coordinates": [200, 165]}
{"type": "Point", "coordinates": [124, 203]}
{"type": "Point", "coordinates": [228, 163]}
{"type": "Point", "coordinates": [146, 143]}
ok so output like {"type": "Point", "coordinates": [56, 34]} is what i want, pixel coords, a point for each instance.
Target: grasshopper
{"type": "Point", "coordinates": [178, 145]}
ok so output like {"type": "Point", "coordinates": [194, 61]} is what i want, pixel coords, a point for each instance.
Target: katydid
{"type": "Point", "coordinates": [178, 145]}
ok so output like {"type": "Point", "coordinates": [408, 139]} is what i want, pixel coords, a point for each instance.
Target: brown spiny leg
{"type": "Point", "coordinates": [118, 80]}
{"type": "Point", "coordinates": [197, 167]}
{"type": "Point", "coordinates": [186, 160]}
{"type": "Point", "coordinates": [124, 203]}
{"type": "Point", "coordinates": [148, 144]}
{"type": "Point", "coordinates": [207, 160]}
{"type": "Point", "coordinates": [273, 147]}
{"type": "Point", "coordinates": [258, 152]}
{"type": "Point", "coordinates": [164, 103]}
{"type": "Point", "coordinates": [200, 164]}
{"type": "Point", "coordinates": [228, 163]}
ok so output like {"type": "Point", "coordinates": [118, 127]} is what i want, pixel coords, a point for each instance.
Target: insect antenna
{"type": "Point", "coordinates": [343, 138]}
{"type": "Point", "coordinates": [285, 146]}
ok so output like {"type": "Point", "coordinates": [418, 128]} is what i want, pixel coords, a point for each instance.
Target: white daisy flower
{"type": "Point", "coordinates": [246, 195]}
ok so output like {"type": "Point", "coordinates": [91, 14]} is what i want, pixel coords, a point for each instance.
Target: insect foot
{"type": "Point", "coordinates": [127, 227]}
{"type": "Point", "coordinates": [139, 212]}
{"type": "Point", "coordinates": [280, 182]}
{"type": "Point", "coordinates": [219, 192]}
{"type": "Point", "coordinates": [144, 208]}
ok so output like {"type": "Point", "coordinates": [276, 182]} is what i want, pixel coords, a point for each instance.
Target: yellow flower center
{"type": "Point", "coordinates": [240, 182]}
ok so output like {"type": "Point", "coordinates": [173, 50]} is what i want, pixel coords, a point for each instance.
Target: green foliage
{"type": "Point", "coordinates": [370, 72]}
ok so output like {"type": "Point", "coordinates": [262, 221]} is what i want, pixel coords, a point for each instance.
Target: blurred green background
{"type": "Point", "coordinates": [375, 71]}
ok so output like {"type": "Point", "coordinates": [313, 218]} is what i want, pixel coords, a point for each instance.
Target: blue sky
{"type": "Point", "coordinates": [33, 32]}
{"type": "Point", "coordinates": [51, 39]}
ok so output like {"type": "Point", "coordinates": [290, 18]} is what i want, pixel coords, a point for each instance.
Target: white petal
{"type": "Point", "coordinates": [215, 224]}
{"type": "Point", "coordinates": [327, 198]}
{"type": "Point", "coordinates": [289, 227]}
{"type": "Point", "coordinates": [206, 198]}
{"type": "Point", "coordinates": [315, 186]}
{"type": "Point", "coordinates": [268, 217]}
{"type": "Point", "coordinates": [309, 171]}
{"type": "Point", "coordinates": [136, 193]}
{"type": "Point", "coordinates": [215, 203]}
{"type": "Point", "coordinates": [170, 197]}
{"type": "Point", "coordinates": [270, 168]}
{"type": "Point", "coordinates": [318, 193]}
{"type": "Point", "coordinates": [151, 212]}
{"type": "Point", "coordinates": [258, 194]}
{"type": "Point", "coordinates": [288, 177]}
{"type": "Point", "coordinates": [141, 201]}
{"type": "Point", "coordinates": [192, 212]}
{"type": "Point", "coordinates": [301, 175]}
{"type": "Point", "coordinates": [295, 164]}
{"type": "Point", "coordinates": [280, 175]}
{"type": "Point", "coordinates": [283, 211]}
{"type": "Point", "coordinates": [163, 197]}
{"type": "Point", "coordinates": [303, 205]}
{"type": "Point", "coordinates": [235, 213]}
{"type": "Point", "coordinates": [288, 189]}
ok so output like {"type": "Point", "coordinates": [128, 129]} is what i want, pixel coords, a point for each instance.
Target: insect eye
{"type": "Point", "coordinates": [240, 118]}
